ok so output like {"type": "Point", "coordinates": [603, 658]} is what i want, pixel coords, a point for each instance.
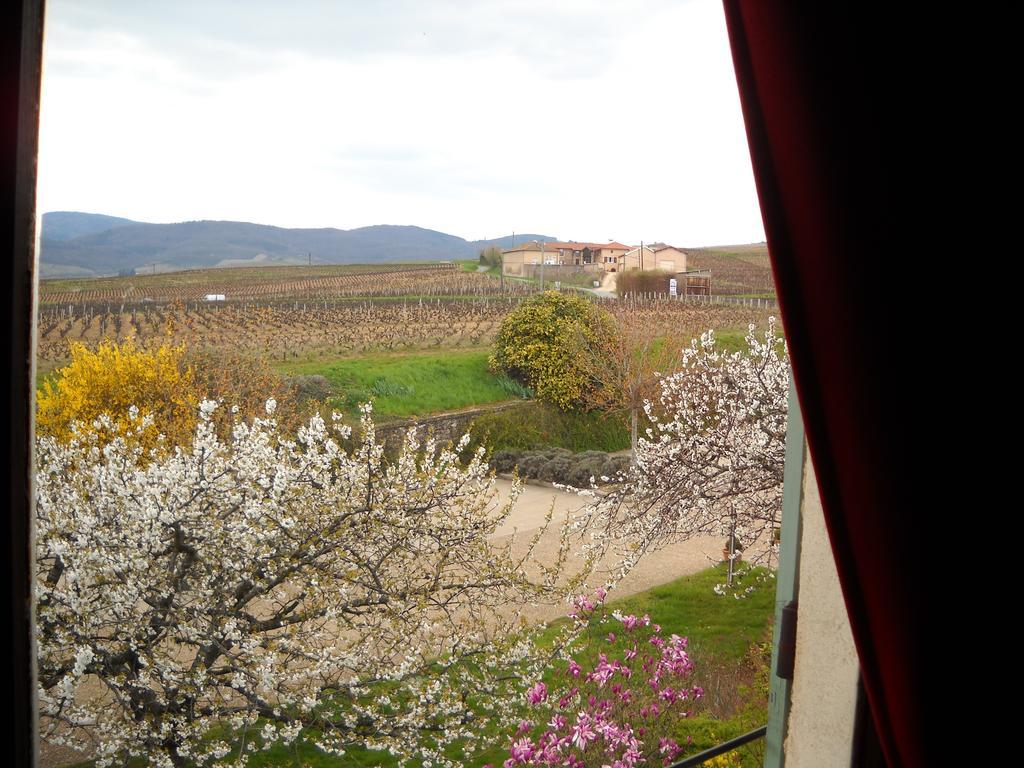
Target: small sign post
{"type": "Point", "coordinates": [672, 287]}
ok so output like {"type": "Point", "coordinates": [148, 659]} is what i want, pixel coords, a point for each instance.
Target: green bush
{"type": "Point", "coordinates": [643, 281]}
{"type": "Point", "coordinates": [535, 425]}
{"type": "Point", "coordinates": [530, 464]}
{"type": "Point", "coordinates": [505, 461]}
{"type": "Point", "coordinates": [356, 397]}
{"type": "Point", "coordinates": [558, 465]}
{"type": "Point", "coordinates": [491, 256]}
{"type": "Point", "coordinates": [387, 388]}
{"type": "Point", "coordinates": [541, 343]}
{"type": "Point", "coordinates": [556, 470]}
{"type": "Point", "coordinates": [615, 465]}
{"type": "Point", "coordinates": [513, 388]}
{"type": "Point", "coordinates": [309, 387]}
{"type": "Point", "coordinates": [579, 476]}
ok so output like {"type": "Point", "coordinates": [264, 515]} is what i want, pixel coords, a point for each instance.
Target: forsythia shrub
{"type": "Point", "coordinates": [125, 383]}
{"type": "Point", "coordinates": [540, 345]}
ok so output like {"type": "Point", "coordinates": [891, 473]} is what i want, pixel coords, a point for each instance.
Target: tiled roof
{"type": "Point", "coordinates": [551, 246]}
{"type": "Point", "coordinates": [534, 245]}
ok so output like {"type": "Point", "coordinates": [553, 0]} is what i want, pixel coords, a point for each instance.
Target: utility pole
{"type": "Point", "coordinates": [542, 265]}
{"type": "Point", "coordinates": [641, 255]}
{"type": "Point", "coordinates": [501, 263]}
{"type": "Point", "coordinates": [311, 259]}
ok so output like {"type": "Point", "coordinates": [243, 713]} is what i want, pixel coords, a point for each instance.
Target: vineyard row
{"type": "Point", "coordinates": [288, 330]}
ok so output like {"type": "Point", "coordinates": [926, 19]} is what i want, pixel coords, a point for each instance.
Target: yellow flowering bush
{"type": "Point", "coordinates": [127, 384]}
{"type": "Point", "coordinates": [541, 344]}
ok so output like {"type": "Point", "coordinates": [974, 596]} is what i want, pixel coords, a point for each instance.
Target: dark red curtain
{"type": "Point", "coordinates": [815, 85]}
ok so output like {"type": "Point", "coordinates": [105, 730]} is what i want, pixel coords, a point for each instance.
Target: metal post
{"type": "Point", "coordinates": [787, 586]}
{"type": "Point", "coordinates": [542, 265]}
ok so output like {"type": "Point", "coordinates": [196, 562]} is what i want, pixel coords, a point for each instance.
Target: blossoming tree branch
{"type": "Point", "coordinates": [270, 585]}
{"type": "Point", "coordinates": [712, 463]}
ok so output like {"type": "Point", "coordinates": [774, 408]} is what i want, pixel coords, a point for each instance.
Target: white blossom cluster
{"type": "Point", "coordinates": [712, 464]}
{"type": "Point", "coordinates": [245, 589]}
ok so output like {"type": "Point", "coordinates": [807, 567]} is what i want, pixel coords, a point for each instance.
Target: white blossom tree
{"type": "Point", "coordinates": [712, 464]}
{"type": "Point", "coordinates": [250, 588]}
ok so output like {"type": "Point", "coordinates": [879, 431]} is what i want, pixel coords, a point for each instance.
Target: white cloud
{"type": "Point", "coordinates": [609, 124]}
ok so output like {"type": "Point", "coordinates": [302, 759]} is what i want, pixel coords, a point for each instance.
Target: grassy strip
{"type": "Point", "coordinates": [411, 384]}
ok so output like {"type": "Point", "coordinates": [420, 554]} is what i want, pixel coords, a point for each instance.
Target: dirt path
{"type": "Point", "coordinates": [654, 568]}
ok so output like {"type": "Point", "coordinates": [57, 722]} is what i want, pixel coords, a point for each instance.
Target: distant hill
{"type": "Point", "coordinates": [108, 245]}
{"type": "Point", "coordinates": [509, 241]}
{"type": "Point", "coordinates": [65, 225]}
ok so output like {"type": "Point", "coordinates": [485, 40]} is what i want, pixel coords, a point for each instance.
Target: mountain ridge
{"type": "Point", "coordinates": [76, 244]}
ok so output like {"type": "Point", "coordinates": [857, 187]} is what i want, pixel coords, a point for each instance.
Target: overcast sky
{"type": "Point", "coordinates": [580, 120]}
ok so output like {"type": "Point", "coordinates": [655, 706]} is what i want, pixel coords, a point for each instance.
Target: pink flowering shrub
{"type": "Point", "coordinates": [615, 711]}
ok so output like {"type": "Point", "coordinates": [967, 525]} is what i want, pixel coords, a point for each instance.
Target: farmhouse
{"type": "Point", "coordinates": [595, 256]}
{"type": "Point", "coordinates": [669, 257]}
{"type": "Point", "coordinates": [607, 257]}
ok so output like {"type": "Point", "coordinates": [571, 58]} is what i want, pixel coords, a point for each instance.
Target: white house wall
{"type": "Point", "coordinates": [824, 692]}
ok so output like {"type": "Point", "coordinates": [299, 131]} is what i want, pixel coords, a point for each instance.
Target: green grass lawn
{"type": "Point", "coordinates": [411, 384]}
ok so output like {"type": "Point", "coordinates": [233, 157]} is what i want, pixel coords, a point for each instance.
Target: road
{"type": "Point", "coordinates": [654, 568]}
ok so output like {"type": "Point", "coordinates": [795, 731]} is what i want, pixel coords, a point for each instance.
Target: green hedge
{"type": "Point", "coordinates": [643, 281]}
{"type": "Point", "coordinates": [536, 425]}
{"type": "Point", "coordinates": [558, 465]}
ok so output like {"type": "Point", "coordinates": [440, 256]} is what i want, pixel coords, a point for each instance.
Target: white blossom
{"type": "Point", "coordinates": [264, 577]}
{"type": "Point", "coordinates": [713, 461]}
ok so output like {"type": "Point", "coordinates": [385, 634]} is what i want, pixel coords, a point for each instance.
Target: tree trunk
{"type": "Point", "coordinates": [634, 418]}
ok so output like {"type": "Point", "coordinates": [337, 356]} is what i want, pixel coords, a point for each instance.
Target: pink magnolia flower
{"type": "Point", "coordinates": [583, 731]}
{"type": "Point", "coordinates": [537, 694]}
{"type": "Point", "coordinates": [522, 750]}
{"type": "Point", "coordinates": [617, 720]}
{"type": "Point", "coordinates": [668, 747]}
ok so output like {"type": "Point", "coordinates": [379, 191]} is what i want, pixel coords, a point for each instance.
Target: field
{"type": "Point", "coordinates": [267, 283]}
{"type": "Point", "coordinates": [303, 331]}
{"type": "Point", "coordinates": [736, 270]}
